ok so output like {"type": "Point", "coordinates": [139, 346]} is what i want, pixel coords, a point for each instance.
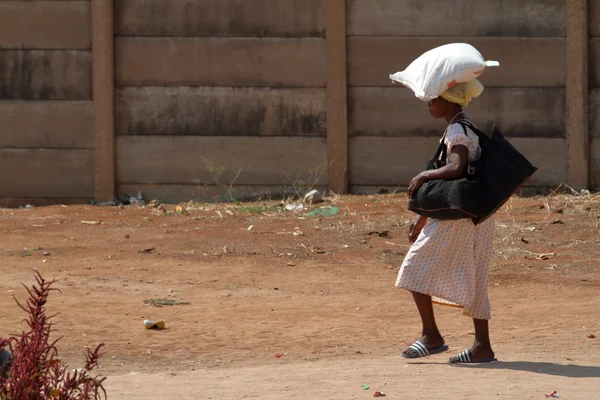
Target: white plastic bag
{"type": "Point", "coordinates": [441, 68]}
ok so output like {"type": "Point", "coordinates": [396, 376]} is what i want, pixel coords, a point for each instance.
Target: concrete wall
{"type": "Point", "coordinates": [207, 89]}
{"type": "Point", "coordinates": [46, 113]}
{"type": "Point", "coordinates": [257, 97]}
{"type": "Point", "coordinates": [594, 83]}
{"type": "Point", "coordinates": [392, 133]}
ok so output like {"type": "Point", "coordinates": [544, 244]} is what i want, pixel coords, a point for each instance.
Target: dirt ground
{"type": "Point", "coordinates": [262, 282]}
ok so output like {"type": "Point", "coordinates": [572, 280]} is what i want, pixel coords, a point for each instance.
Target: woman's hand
{"type": "Point", "coordinates": [416, 183]}
{"type": "Point", "coordinates": [415, 229]}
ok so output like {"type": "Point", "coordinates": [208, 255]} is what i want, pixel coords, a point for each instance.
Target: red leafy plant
{"type": "Point", "coordinates": [35, 371]}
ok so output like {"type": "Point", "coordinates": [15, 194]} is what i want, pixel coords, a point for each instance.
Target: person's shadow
{"type": "Point", "coordinates": [567, 371]}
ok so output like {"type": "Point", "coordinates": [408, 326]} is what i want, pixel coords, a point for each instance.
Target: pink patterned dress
{"type": "Point", "coordinates": [450, 260]}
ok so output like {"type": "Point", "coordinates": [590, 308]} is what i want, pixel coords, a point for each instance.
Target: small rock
{"type": "Point", "coordinates": [46, 253]}
{"type": "Point", "coordinates": [127, 236]}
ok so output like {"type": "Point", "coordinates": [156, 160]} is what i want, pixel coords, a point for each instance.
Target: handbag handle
{"type": "Point", "coordinates": [483, 138]}
{"type": "Point", "coordinates": [442, 151]}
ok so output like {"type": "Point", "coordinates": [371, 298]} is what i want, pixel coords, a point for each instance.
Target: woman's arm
{"type": "Point", "coordinates": [416, 228]}
{"type": "Point", "coordinates": [459, 158]}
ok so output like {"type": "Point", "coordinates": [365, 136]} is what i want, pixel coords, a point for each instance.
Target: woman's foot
{"type": "Point", "coordinates": [430, 342]}
{"type": "Point", "coordinates": [481, 351]}
{"type": "Point", "coordinates": [477, 354]}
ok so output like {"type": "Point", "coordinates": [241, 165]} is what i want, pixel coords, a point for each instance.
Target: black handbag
{"type": "Point", "coordinates": [486, 186]}
{"type": "Point", "coordinates": [503, 171]}
{"type": "Point", "coordinates": [448, 199]}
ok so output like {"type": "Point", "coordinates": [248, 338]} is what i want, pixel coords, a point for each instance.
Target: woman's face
{"type": "Point", "coordinates": [437, 107]}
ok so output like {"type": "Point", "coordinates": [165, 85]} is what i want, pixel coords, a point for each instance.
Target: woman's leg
{"type": "Point", "coordinates": [482, 347]}
{"type": "Point", "coordinates": [432, 338]}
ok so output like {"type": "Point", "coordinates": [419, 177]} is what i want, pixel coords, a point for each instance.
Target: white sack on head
{"type": "Point", "coordinates": [441, 68]}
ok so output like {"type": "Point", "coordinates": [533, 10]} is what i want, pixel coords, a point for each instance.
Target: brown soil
{"type": "Point", "coordinates": [317, 291]}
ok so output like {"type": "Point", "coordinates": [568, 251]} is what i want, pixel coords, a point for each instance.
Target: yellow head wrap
{"type": "Point", "coordinates": [462, 93]}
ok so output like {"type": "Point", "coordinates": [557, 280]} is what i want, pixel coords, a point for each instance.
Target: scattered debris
{"type": "Point", "coordinates": [127, 236]}
{"type": "Point", "coordinates": [280, 355]}
{"type": "Point", "coordinates": [591, 336]}
{"type": "Point", "coordinates": [148, 324]}
{"type": "Point", "coordinates": [394, 244]}
{"type": "Point", "coordinates": [180, 210]}
{"type": "Point", "coordinates": [531, 229]}
{"type": "Point", "coordinates": [541, 256]}
{"type": "Point", "coordinates": [524, 240]}
{"type": "Point", "coordinates": [91, 222]}
{"type": "Point", "coordinates": [313, 197]}
{"type": "Point", "coordinates": [46, 253]}
{"type": "Point", "coordinates": [324, 212]}
{"type": "Point", "coordinates": [138, 200]}
{"type": "Point", "coordinates": [553, 395]}
{"type": "Point", "coordinates": [111, 203]}
{"type": "Point", "coordinates": [153, 204]}
{"type": "Point", "coordinates": [557, 222]}
{"type": "Point", "coordinates": [294, 207]}
{"type": "Point", "coordinates": [165, 302]}
{"type": "Point", "coordinates": [384, 234]}
{"type": "Point", "coordinates": [378, 394]}
{"type": "Point", "coordinates": [148, 250]}
{"type": "Point", "coordinates": [5, 363]}
{"type": "Point", "coordinates": [250, 227]}
{"type": "Point", "coordinates": [365, 386]}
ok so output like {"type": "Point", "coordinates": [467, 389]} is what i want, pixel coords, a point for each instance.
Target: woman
{"type": "Point", "coordinates": [448, 262]}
